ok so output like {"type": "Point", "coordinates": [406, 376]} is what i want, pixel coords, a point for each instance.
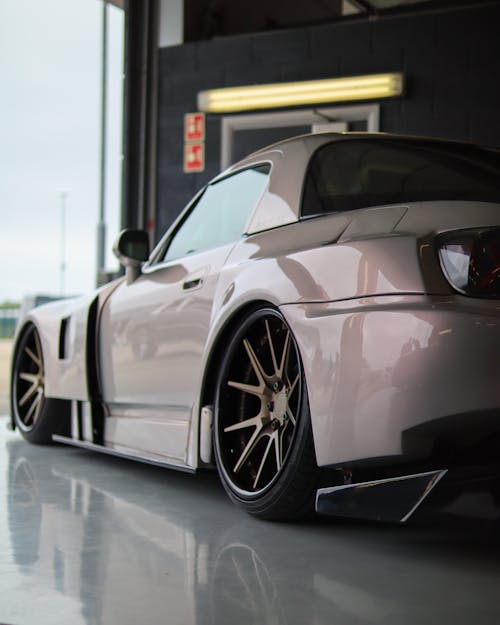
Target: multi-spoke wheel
{"type": "Point", "coordinates": [262, 433]}
{"type": "Point", "coordinates": [28, 388]}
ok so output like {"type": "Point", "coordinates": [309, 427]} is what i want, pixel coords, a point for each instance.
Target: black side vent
{"type": "Point", "coordinates": [62, 338]}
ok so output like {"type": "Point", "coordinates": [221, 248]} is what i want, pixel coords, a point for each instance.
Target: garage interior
{"type": "Point", "coordinates": [447, 52]}
{"type": "Point", "coordinates": [98, 540]}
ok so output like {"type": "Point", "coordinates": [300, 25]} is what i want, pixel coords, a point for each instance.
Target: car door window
{"type": "Point", "coordinates": [221, 213]}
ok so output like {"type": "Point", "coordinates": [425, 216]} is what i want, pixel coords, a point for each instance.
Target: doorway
{"type": "Point", "coordinates": [243, 134]}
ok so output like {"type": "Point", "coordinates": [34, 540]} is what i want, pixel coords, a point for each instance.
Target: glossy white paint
{"type": "Point", "coordinates": [381, 333]}
{"type": "Point", "coordinates": [160, 433]}
{"type": "Point", "coordinates": [64, 378]}
{"type": "Point", "coordinates": [360, 312]}
{"type": "Point", "coordinates": [280, 204]}
{"type": "Point", "coordinates": [377, 367]}
{"type": "Point", "coordinates": [152, 336]}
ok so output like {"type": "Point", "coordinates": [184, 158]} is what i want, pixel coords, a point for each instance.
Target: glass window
{"type": "Point", "coordinates": [346, 175]}
{"type": "Point", "coordinates": [221, 213]}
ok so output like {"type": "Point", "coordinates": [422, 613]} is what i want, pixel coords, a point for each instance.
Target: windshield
{"type": "Point", "coordinates": [345, 175]}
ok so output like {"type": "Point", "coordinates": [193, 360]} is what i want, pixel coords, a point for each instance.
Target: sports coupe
{"type": "Point", "coordinates": [321, 324]}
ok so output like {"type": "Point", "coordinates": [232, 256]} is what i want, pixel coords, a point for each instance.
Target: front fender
{"type": "Point", "coordinates": [64, 330]}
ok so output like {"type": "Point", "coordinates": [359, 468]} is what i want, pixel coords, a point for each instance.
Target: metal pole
{"type": "Point", "coordinates": [101, 226]}
{"type": "Point", "coordinates": [63, 197]}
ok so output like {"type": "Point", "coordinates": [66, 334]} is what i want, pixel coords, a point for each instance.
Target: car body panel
{"type": "Point", "coordinates": [323, 308]}
{"type": "Point", "coordinates": [167, 313]}
{"type": "Point", "coordinates": [377, 367]}
{"type": "Point", "coordinates": [387, 345]}
{"type": "Point", "coordinates": [280, 203]}
{"type": "Point", "coordinates": [64, 378]}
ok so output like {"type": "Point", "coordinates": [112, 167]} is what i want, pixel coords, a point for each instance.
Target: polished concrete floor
{"type": "Point", "coordinates": [5, 356]}
{"type": "Point", "coordinates": [90, 539]}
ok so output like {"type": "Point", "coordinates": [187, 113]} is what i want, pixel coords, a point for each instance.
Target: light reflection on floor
{"type": "Point", "coordinates": [96, 540]}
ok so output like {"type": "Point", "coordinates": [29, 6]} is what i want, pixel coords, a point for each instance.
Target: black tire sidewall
{"type": "Point", "coordinates": [284, 498]}
{"type": "Point", "coordinates": [41, 432]}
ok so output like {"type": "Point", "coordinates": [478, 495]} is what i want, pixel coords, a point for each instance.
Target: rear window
{"type": "Point", "coordinates": [345, 175]}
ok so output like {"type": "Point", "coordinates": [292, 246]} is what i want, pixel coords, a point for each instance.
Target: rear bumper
{"type": "Point", "coordinates": [378, 369]}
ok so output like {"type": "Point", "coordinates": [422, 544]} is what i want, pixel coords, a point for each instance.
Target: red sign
{"type": "Point", "coordinates": [194, 127]}
{"type": "Point", "coordinates": [194, 157]}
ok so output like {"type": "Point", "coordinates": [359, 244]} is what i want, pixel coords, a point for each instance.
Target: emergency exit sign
{"type": "Point", "coordinates": [194, 157]}
{"type": "Point", "coordinates": [194, 127]}
{"type": "Point", "coordinates": [194, 142]}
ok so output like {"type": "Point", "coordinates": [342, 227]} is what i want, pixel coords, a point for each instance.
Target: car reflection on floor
{"type": "Point", "coordinates": [96, 540]}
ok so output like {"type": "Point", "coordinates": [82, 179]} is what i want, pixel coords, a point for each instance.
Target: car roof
{"type": "Point", "coordinates": [291, 158]}
{"type": "Point", "coordinates": [319, 138]}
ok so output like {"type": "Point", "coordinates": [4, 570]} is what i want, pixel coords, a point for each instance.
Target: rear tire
{"type": "Point", "coordinates": [262, 431]}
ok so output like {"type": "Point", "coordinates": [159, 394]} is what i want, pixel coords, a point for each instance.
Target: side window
{"type": "Point", "coordinates": [220, 215]}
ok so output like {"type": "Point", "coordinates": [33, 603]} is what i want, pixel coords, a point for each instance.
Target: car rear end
{"type": "Point", "coordinates": [406, 380]}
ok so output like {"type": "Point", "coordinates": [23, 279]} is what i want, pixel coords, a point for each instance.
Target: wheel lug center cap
{"type": "Point", "coordinates": [280, 405]}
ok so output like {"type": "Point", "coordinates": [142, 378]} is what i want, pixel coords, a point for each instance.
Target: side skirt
{"type": "Point", "coordinates": [122, 452]}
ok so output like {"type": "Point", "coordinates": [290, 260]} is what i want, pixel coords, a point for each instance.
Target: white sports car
{"type": "Point", "coordinates": [321, 323]}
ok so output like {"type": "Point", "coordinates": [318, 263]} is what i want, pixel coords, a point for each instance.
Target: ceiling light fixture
{"type": "Point", "coordinates": [277, 95]}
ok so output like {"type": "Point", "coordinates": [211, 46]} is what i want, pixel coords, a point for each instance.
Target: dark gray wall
{"type": "Point", "coordinates": [451, 61]}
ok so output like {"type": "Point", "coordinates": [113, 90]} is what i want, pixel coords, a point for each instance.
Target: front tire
{"type": "Point", "coordinates": [28, 401]}
{"type": "Point", "coordinates": [262, 432]}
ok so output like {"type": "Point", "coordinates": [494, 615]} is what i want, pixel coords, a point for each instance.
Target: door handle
{"type": "Point", "coordinates": [192, 284]}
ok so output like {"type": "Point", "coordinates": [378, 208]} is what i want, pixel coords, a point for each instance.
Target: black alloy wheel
{"type": "Point", "coordinates": [28, 400]}
{"type": "Point", "coordinates": [262, 435]}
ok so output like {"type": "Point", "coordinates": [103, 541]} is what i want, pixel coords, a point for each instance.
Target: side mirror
{"type": "Point", "coordinates": [132, 249]}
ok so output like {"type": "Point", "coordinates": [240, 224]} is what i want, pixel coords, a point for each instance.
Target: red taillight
{"type": "Point", "coordinates": [471, 261]}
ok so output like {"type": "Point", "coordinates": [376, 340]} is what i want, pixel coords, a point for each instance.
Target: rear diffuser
{"type": "Point", "coordinates": [394, 499]}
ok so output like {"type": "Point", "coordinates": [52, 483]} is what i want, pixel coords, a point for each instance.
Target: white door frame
{"type": "Point", "coordinates": [370, 113]}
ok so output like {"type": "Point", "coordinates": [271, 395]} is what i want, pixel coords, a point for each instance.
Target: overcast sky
{"type": "Point", "coordinates": [50, 54]}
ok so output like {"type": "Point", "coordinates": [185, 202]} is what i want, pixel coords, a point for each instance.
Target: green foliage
{"type": "Point", "coordinates": [9, 305]}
